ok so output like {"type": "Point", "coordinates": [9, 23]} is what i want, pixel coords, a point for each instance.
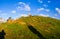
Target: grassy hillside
{"type": "Point", "coordinates": [18, 29]}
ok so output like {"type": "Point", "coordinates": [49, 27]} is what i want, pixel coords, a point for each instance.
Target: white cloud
{"type": "Point", "coordinates": [19, 8]}
{"type": "Point", "coordinates": [49, 1]}
{"type": "Point", "coordinates": [27, 8]}
{"type": "Point", "coordinates": [58, 10]}
{"type": "Point", "coordinates": [43, 9]}
{"type": "Point", "coordinates": [24, 15]}
{"type": "Point", "coordinates": [45, 5]}
{"type": "Point", "coordinates": [40, 9]}
{"type": "Point", "coordinates": [56, 15]}
{"type": "Point", "coordinates": [47, 10]}
{"type": "Point", "coordinates": [23, 6]}
{"type": "Point", "coordinates": [21, 3]}
{"type": "Point", "coordinates": [13, 11]}
{"type": "Point", "coordinates": [44, 15]}
{"type": "Point", "coordinates": [40, 1]}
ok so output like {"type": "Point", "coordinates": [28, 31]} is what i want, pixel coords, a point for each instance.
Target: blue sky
{"type": "Point", "coordinates": [18, 8]}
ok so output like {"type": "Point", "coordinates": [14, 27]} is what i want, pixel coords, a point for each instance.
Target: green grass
{"type": "Point", "coordinates": [48, 27]}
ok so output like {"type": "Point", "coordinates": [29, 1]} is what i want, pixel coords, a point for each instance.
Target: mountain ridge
{"type": "Point", "coordinates": [19, 28]}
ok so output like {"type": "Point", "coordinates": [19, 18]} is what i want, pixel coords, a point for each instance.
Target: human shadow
{"type": "Point", "coordinates": [31, 28]}
{"type": "Point", "coordinates": [2, 34]}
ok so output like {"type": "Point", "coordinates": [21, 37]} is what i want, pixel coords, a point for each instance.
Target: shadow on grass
{"type": "Point", "coordinates": [2, 34]}
{"type": "Point", "coordinates": [32, 29]}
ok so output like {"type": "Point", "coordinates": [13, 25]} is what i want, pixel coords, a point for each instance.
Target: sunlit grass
{"type": "Point", "coordinates": [18, 29]}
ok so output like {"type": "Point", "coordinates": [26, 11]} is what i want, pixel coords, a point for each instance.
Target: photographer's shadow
{"type": "Point", "coordinates": [2, 34]}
